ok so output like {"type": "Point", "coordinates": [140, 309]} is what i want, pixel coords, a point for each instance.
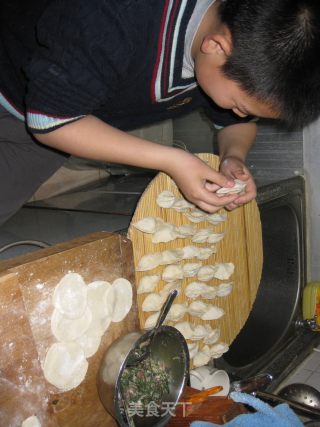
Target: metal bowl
{"type": "Point", "coordinates": [169, 347]}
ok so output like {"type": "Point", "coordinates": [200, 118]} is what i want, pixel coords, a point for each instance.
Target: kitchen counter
{"type": "Point", "coordinates": [107, 206]}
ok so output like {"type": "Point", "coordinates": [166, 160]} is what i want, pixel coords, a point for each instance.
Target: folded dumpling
{"type": "Point", "coordinates": [238, 187]}
{"type": "Point", "coordinates": [149, 261]}
{"type": "Point", "coordinates": [206, 273]}
{"type": "Point", "coordinates": [166, 199]}
{"type": "Point", "coordinates": [148, 224]}
{"type": "Point", "coordinates": [176, 312]}
{"type": "Point", "coordinates": [171, 273]}
{"type": "Point", "coordinates": [224, 289]}
{"type": "Point", "coordinates": [223, 270]}
{"type": "Point", "coordinates": [190, 269]}
{"type": "Point", "coordinates": [185, 329]}
{"type": "Point", "coordinates": [153, 302]}
{"type": "Point", "coordinates": [148, 283]}
{"type": "Point", "coordinates": [182, 205]}
{"type": "Point", "coordinates": [171, 256]}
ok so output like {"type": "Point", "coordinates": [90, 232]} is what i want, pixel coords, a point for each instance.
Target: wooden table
{"type": "Point", "coordinates": [26, 286]}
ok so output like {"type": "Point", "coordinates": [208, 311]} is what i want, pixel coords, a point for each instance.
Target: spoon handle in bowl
{"type": "Point", "coordinates": [165, 309]}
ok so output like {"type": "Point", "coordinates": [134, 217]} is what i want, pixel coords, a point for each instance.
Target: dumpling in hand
{"type": "Point", "coordinates": [238, 187]}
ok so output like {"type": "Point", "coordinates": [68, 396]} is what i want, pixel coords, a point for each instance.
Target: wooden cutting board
{"type": "Point", "coordinates": [26, 287]}
{"type": "Point", "coordinates": [242, 245]}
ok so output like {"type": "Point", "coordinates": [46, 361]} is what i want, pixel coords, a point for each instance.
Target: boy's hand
{"type": "Point", "coordinates": [233, 168]}
{"type": "Point", "coordinates": [198, 182]}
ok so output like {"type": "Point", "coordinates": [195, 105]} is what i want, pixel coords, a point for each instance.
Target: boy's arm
{"type": "Point", "coordinates": [234, 143]}
{"type": "Point", "coordinates": [91, 138]}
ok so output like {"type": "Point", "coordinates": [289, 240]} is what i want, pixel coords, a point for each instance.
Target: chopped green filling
{"type": "Point", "coordinates": [146, 382]}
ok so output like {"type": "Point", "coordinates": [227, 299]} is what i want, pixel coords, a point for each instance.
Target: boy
{"type": "Point", "coordinates": [80, 73]}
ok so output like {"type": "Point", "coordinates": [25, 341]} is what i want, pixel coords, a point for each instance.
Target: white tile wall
{"type": "Point", "coordinates": [308, 372]}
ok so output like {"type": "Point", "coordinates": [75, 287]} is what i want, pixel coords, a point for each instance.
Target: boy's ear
{"type": "Point", "coordinates": [218, 44]}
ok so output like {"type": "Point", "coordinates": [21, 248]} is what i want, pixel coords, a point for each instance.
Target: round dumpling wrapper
{"type": "Point", "coordinates": [32, 421]}
{"type": "Point", "coordinates": [90, 343]}
{"type": "Point", "coordinates": [123, 299]}
{"type": "Point", "coordinates": [65, 365]}
{"type": "Point", "coordinates": [101, 299]}
{"type": "Point", "coordinates": [65, 329]}
{"type": "Point", "coordinates": [70, 296]}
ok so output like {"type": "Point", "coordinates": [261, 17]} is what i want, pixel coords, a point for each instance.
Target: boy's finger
{"type": "Point", "coordinates": [219, 179]}
{"type": "Point", "coordinates": [241, 174]}
{"type": "Point", "coordinates": [210, 186]}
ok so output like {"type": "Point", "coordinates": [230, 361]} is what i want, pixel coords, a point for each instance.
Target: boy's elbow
{"type": "Point", "coordinates": [41, 137]}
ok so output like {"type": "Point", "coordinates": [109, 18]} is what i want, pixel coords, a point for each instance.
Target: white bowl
{"type": "Point", "coordinates": [206, 377]}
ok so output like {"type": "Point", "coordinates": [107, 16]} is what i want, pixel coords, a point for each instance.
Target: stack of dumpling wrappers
{"type": "Point", "coordinates": [214, 260]}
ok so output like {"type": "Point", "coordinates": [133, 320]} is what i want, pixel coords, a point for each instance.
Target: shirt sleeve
{"type": "Point", "coordinates": [78, 63]}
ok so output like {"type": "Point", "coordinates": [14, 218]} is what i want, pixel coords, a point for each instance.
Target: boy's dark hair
{"type": "Point", "coordinates": [276, 54]}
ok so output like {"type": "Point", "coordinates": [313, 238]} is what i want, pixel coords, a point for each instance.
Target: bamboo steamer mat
{"type": "Point", "coordinates": [241, 245]}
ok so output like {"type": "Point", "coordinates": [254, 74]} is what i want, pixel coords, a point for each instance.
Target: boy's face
{"type": "Point", "coordinates": [227, 94]}
{"type": "Point", "coordinates": [209, 59]}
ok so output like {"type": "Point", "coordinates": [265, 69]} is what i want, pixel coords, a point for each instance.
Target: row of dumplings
{"type": "Point", "coordinates": [167, 200]}
{"type": "Point", "coordinates": [194, 289]}
{"type": "Point", "coordinates": [164, 232]}
{"type": "Point", "coordinates": [197, 308]}
{"type": "Point", "coordinates": [203, 356]}
{"type": "Point", "coordinates": [172, 256]}
{"type": "Point", "coordinates": [174, 272]}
